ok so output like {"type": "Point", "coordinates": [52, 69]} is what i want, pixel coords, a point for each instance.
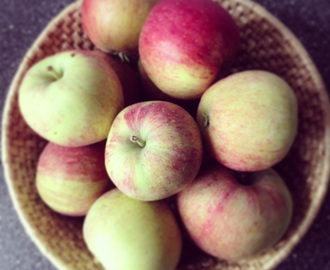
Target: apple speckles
{"type": "Point", "coordinates": [74, 157]}
{"type": "Point", "coordinates": [168, 158]}
{"type": "Point", "coordinates": [127, 185]}
{"type": "Point", "coordinates": [131, 115]}
{"type": "Point", "coordinates": [254, 120]}
{"type": "Point", "coordinates": [70, 179]}
{"type": "Point", "coordinates": [184, 61]}
{"type": "Point", "coordinates": [229, 216]}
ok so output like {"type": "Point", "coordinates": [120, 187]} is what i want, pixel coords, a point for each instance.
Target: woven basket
{"type": "Point", "coordinates": [266, 44]}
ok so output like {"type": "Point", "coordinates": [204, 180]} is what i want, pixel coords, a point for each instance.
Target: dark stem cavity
{"type": "Point", "coordinates": [244, 178]}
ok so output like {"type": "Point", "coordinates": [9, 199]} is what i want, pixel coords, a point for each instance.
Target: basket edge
{"type": "Point", "coordinates": [8, 177]}
{"type": "Point", "coordinates": [313, 70]}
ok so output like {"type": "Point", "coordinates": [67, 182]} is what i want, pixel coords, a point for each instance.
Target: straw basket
{"type": "Point", "coordinates": [266, 44]}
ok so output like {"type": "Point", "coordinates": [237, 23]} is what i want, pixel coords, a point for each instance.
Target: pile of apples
{"type": "Point", "coordinates": [125, 139]}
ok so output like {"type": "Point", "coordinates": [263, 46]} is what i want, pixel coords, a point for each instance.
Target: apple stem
{"type": "Point", "coordinates": [206, 120]}
{"type": "Point", "coordinates": [53, 73]}
{"type": "Point", "coordinates": [136, 139]}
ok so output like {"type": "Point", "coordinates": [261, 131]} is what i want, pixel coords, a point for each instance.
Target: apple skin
{"type": "Point", "coordinates": [70, 179]}
{"type": "Point", "coordinates": [154, 149]}
{"type": "Point", "coordinates": [71, 98]}
{"type": "Point", "coordinates": [115, 25]}
{"type": "Point", "coordinates": [232, 221]}
{"type": "Point", "coordinates": [129, 79]}
{"type": "Point", "coordinates": [249, 120]}
{"type": "Point", "coordinates": [183, 46]}
{"type": "Point", "coordinates": [152, 92]}
{"type": "Point", "coordinates": [124, 233]}
{"type": "Point", "coordinates": [127, 75]}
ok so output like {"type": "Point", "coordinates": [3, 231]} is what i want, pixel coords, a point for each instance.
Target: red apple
{"type": "Point", "coordinates": [115, 25]}
{"type": "Point", "coordinates": [183, 45]}
{"type": "Point", "coordinates": [152, 92]}
{"type": "Point", "coordinates": [154, 150]}
{"type": "Point", "coordinates": [70, 179]}
{"type": "Point", "coordinates": [233, 221]}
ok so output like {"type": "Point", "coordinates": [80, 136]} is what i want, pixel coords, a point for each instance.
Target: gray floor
{"type": "Point", "coordinates": [20, 23]}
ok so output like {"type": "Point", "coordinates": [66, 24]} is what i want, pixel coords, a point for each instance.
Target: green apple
{"type": "Point", "coordinates": [125, 234]}
{"type": "Point", "coordinates": [71, 98]}
{"type": "Point", "coordinates": [249, 120]}
{"type": "Point", "coordinates": [154, 149]}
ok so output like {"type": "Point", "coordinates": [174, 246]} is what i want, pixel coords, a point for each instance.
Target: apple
{"type": "Point", "coordinates": [154, 149]}
{"type": "Point", "coordinates": [249, 120]}
{"type": "Point", "coordinates": [183, 45]}
{"type": "Point", "coordinates": [129, 79]}
{"type": "Point", "coordinates": [71, 98]}
{"type": "Point", "coordinates": [115, 25]}
{"type": "Point", "coordinates": [152, 92]}
{"type": "Point", "coordinates": [124, 233]}
{"type": "Point", "coordinates": [70, 179]}
{"type": "Point", "coordinates": [234, 221]}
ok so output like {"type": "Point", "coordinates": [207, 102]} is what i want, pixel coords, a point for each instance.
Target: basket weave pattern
{"type": "Point", "coordinates": [266, 44]}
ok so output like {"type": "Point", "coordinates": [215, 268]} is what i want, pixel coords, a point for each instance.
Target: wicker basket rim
{"type": "Point", "coordinates": [316, 205]}
{"type": "Point", "coordinates": [32, 232]}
